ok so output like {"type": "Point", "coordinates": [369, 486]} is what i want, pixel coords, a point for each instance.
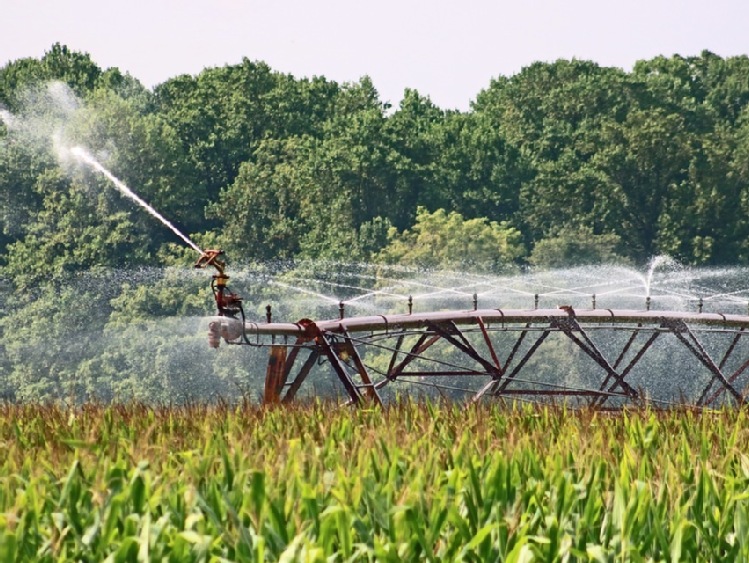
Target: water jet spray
{"type": "Point", "coordinates": [81, 154]}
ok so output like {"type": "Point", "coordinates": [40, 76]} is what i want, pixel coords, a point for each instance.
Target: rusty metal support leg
{"type": "Point", "coordinates": [721, 365]}
{"type": "Point", "coordinates": [394, 357]}
{"type": "Point", "coordinates": [454, 336]}
{"type": "Point", "coordinates": [492, 386]}
{"type": "Point", "coordinates": [517, 345]}
{"type": "Point", "coordinates": [274, 374]}
{"type": "Point", "coordinates": [425, 341]}
{"type": "Point", "coordinates": [593, 352]}
{"type": "Point", "coordinates": [695, 346]}
{"type": "Point", "coordinates": [339, 367]}
{"type": "Point", "coordinates": [301, 376]}
{"type": "Point", "coordinates": [496, 377]}
{"type": "Point", "coordinates": [720, 390]}
{"type": "Point", "coordinates": [497, 391]}
{"type": "Point", "coordinates": [627, 369]}
{"type": "Point", "coordinates": [489, 345]}
{"type": "Point", "coordinates": [731, 348]}
{"type": "Point", "coordinates": [367, 384]}
{"type": "Point", "coordinates": [627, 346]}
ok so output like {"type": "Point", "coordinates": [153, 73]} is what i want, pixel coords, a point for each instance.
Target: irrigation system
{"type": "Point", "coordinates": [605, 358]}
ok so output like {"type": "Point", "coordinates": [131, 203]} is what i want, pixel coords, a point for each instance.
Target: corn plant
{"type": "Point", "coordinates": [412, 481]}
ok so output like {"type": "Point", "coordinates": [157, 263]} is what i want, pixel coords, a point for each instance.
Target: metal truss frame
{"type": "Point", "coordinates": [471, 335]}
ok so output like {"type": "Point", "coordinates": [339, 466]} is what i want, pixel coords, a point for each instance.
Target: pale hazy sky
{"type": "Point", "coordinates": [448, 50]}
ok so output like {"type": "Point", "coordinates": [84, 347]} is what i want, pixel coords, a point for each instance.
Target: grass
{"type": "Point", "coordinates": [412, 481]}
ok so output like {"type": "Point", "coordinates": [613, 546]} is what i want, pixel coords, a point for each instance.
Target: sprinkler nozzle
{"type": "Point", "coordinates": [211, 258]}
{"type": "Point", "coordinates": [229, 304]}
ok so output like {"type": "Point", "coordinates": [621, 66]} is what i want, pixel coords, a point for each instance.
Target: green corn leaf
{"type": "Point", "coordinates": [127, 552]}
{"type": "Point", "coordinates": [8, 546]}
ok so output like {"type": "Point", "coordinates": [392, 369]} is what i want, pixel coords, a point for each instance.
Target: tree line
{"type": "Point", "coordinates": [652, 161]}
{"type": "Point", "coordinates": [563, 163]}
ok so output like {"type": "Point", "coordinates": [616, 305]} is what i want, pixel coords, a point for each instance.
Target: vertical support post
{"type": "Point", "coordinates": [535, 301]}
{"type": "Point", "coordinates": [275, 375]}
{"type": "Point", "coordinates": [341, 310]}
{"type": "Point", "coordinates": [475, 301]}
{"type": "Point", "coordinates": [268, 313]}
{"type": "Point", "coordinates": [594, 301]}
{"type": "Point", "coordinates": [410, 304]}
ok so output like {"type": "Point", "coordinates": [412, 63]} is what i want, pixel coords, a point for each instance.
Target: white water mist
{"type": "Point", "coordinates": [84, 156]}
{"type": "Point", "coordinates": [6, 118]}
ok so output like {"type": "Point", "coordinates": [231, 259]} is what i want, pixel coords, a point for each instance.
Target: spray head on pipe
{"type": "Point", "coordinates": [229, 304]}
{"type": "Point", "coordinates": [211, 258]}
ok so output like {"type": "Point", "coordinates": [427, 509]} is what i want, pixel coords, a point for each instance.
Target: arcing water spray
{"type": "Point", "coordinates": [84, 156]}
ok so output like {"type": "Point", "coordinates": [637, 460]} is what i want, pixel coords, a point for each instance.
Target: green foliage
{"type": "Point", "coordinates": [576, 247]}
{"type": "Point", "coordinates": [412, 482]}
{"type": "Point", "coordinates": [447, 240]}
{"type": "Point", "coordinates": [280, 168]}
{"type": "Point", "coordinates": [58, 242]}
{"type": "Point", "coordinates": [223, 114]}
{"type": "Point", "coordinates": [18, 78]}
{"type": "Point", "coordinates": [261, 210]}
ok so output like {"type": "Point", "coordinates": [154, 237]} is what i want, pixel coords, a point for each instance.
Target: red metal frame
{"type": "Point", "coordinates": [479, 337]}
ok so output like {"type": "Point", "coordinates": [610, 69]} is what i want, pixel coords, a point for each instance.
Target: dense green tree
{"type": "Point", "coordinates": [143, 151]}
{"type": "Point", "coordinates": [46, 340]}
{"type": "Point", "coordinates": [19, 78]}
{"type": "Point", "coordinates": [727, 85]}
{"type": "Point", "coordinates": [20, 201]}
{"type": "Point", "coordinates": [645, 161]}
{"type": "Point", "coordinates": [447, 240]}
{"type": "Point", "coordinates": [72, 232]}
{"type": "Point", "coordinates": [477, 173]}
{"type": "Point", "coordinates": [310, 196]}
{"type": "Point", "coordinates": [576, 246]}
{"type": "Point", "coordinates": [261, 212]}
{"type": "Point", "coordinates": [731, 166]}
{"type": "Point", "coordinates": [413, 133]}
{"type": "Point", "coordinates": [543, 106]}
{"type": "Point", "coordinates": [222, 115]}
{"type": "Point", "coordinates": [538, 132]}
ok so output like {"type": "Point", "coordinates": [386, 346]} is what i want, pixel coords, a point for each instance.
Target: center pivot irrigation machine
{"type": "Point", "coordinates": [606, 358]}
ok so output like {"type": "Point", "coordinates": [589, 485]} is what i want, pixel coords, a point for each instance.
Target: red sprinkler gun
{"type": "Point", "coordinates": [229, 304]}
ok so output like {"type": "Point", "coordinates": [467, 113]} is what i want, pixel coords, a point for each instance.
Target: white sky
{"type": "Point", "coordinates": [446, 49]}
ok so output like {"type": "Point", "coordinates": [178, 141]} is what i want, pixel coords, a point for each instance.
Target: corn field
{"type": "Point", "coordinates": [413, 481]}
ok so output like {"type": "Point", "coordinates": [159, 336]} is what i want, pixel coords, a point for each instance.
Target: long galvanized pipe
{"type": "Point", "coordinates": [231, 329]}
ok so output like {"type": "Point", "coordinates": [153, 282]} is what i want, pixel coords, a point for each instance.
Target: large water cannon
{"type": "Point", "coordinates": [229, 304]}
